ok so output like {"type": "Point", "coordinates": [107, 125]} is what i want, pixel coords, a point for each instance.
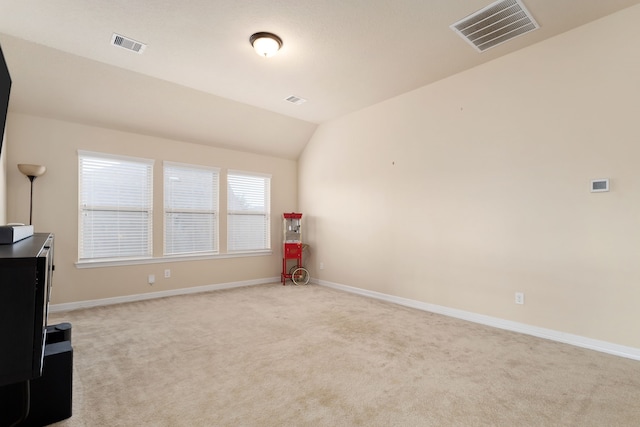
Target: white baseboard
{"type": "Point", "coordinates": [563, 337]}
{"type": "Point", "coordinates": [577, 340]}
{"type": "Point", "coordinates": [56, 308]}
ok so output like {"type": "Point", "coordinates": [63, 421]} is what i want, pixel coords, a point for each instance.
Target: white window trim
{"type": "Point", "coordinates": [227, 213]}
{"type": "Point", "coordinates": [165, 259]}
{"type": "Point", "coordinates": [141, 160]}
{"type": "Point", "coordinates": [213, 169]}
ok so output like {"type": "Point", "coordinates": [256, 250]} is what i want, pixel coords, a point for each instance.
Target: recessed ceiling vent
{"type": "Point", "coordinates": [127, 43]}
{"type": "Point", "coordinates": [495, 24]}
{"type": "Point", "coordinates": [295, 100]}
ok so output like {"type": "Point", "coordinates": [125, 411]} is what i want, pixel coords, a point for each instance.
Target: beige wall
{"type": "Point", "coordinates": [466, 191]}
{"type": "Point", "coordinates": [55, 144]}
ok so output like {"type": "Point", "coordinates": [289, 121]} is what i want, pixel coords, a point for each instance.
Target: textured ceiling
{"type": "Point", "coordinates": [200, 81]}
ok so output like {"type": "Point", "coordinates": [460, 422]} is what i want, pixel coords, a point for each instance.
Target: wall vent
{"type": "Point", "coordinates": [600, 185]}
{"type": "Point", "coordinates": [495, 24]}
{"type": "Point", "coordinates": [295, 100]}
{"type": "Point", "coordinates": [127, 43]}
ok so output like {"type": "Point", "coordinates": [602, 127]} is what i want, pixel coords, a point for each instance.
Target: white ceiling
{"type": "Point", "coordinates": [200, 81]}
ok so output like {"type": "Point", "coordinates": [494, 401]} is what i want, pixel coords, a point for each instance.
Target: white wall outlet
{"type": "Point", "coordinates": [167, 273]}
{"type": "Point", "coordinates": [519, 297]}
{"type": "Point", "coordinates": [322, 266]}
{"type": "Point", "coordinates": [152, 279]}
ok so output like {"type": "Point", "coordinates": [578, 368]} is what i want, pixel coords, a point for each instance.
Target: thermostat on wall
{"type": "Point", "coordinates": [599, 185]}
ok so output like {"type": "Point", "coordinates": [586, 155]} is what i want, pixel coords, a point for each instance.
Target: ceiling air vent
{"type": "Point", "coordinates": [495, 24]}
{"type": "Point", "coordinates": [127, 43]}
{"type": "Point", "coordinates": [295, 100]}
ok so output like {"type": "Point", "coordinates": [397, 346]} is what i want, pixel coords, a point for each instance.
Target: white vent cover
{"type": "Point", "coordinates": [127, 43]}
{"type": "Point", "coordinates": [295, 100]}
{"type": "Point", "coordinates": [495, 24]}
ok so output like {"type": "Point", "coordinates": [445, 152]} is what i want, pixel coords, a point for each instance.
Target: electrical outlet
{"type": "Point", "coordinates": [167, 273]}
{"type": "Point", "coordinates": [152, 279]}
{"type": "Point", "coordinates": [519, 297]}
{"type": "Point", "coordinates": [322, 266]}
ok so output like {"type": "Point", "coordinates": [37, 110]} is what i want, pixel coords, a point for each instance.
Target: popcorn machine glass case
{"type": "Point", "coordinates": [292, 227]}
{"type": "Point", "coordinates": [292, 250]}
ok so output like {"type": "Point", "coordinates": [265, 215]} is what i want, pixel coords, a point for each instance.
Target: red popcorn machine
{"type": "Point", "coordinates": [292, 249]}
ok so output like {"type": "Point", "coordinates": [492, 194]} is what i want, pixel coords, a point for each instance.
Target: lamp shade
{"type": "Point", "coordinates": [265, 44]}
{"type": "Point", "coordinates": [32, 170]}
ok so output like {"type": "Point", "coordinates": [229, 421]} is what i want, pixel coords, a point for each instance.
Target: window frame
{"type": "Point", "coordinates": [266, 212]}
{"type": "Point", "coordinates": [214, 210]}
{"type": "Point", "coordinates": [147, 166]}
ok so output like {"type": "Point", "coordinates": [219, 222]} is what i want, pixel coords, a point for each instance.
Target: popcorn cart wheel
{"type": "Point", "coordinates": [299, 275]}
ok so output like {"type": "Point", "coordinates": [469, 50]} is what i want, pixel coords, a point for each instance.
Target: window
{"type": "Point", "coordinates": [190, 209]}
{"type": "Point", "coordinates": [115, 195]}
{"type": "Point", "coordinates": [248, 211]}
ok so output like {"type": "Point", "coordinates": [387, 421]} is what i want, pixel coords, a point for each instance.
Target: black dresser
{"type": "Point", "coordinates": [36, 359]}
{"type": "Point", "coordinates": [26, 270]}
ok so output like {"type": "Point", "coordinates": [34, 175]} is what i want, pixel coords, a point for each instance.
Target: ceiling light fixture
{"type": "Point", "coordinates": [265, 44]}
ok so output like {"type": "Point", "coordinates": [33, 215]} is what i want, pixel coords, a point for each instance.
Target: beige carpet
{"type": "Point", "coordinates": [313, 356]}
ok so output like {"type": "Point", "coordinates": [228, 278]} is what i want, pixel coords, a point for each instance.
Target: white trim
{"type": "Point", "coordinates": [57, 308]}
{"type": "Point", "coordinates": [247, 173]}
{"type": "Point", "coordinates": [550, 334]}
{"type": "Point", "coordinates": [168, 258]}
{"type": "Point", "coordinates": [172, 206]}
{"type": "Point", "coordinates": [83, 205]}
{"type": "Point", "coordinates": [120, 157]}
{"type": "Point", "coordinates": [190, 165]}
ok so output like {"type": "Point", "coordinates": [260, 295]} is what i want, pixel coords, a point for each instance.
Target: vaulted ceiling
{"type": "Point", "coordinates": [199, 80]}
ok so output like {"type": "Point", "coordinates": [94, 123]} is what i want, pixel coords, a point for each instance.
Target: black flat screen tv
{"type": "Point", "coordinates": [5, 89]}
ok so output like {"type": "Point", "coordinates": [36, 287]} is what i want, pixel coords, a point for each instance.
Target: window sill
{"type": "Point", "coordinates": [168, 258]}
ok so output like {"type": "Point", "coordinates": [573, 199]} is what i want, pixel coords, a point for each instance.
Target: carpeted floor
{"type": "Point", "coordinates": [273, 355]}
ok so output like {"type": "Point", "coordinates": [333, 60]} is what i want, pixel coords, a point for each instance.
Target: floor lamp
{"type": "Point", "coordinates": [31, 172]}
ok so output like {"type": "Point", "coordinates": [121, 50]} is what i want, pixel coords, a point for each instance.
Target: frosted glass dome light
{"type": "Point", "coordinates": [266, 44]}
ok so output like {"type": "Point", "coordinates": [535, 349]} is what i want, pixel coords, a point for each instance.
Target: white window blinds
{"type": "Point", "coordinates": [248, 211]}
{"type": "Point", "coordinates": [190, 209]}
{"type": "Point", "coordinates": [115, 195]}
